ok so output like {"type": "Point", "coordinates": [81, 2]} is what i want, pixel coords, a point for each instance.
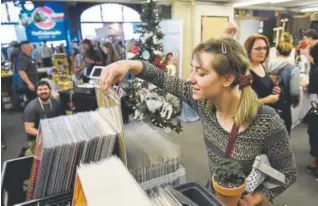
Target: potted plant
{"type": "Point", "coordinates": [228, 181]}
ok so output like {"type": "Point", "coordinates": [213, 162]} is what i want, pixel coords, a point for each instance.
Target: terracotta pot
{"type": "Point", "coordinates": [228, 196]}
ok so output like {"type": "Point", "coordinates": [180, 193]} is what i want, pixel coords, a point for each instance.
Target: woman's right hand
{"type": "Point", "coordinates": [113, 73]}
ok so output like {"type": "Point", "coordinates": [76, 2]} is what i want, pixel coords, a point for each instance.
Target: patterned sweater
{"type": "Point", "coordinates": [265, 135]}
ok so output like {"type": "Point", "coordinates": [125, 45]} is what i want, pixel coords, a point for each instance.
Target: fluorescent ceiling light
{"type": "Point", "coordinates": [255, 2]}
{"type": "Point", "coordinates": [309, 9]}
{"type": "Point", "coordinates": [279, 1]}
{"type": "Point", "coordinates": [249, 3]}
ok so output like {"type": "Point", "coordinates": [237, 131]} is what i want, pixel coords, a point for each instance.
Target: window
{"type": "Point", "coordinates": [8, 34]}
{"type": "Point", "coordinates": [88, 30]}
{"type": "Point", "coordinates": [130, 15]}
{"type": "Point", "coordinates": [9, 13]}
{"type": "Point", "coordinates": [92, 14]}
{"type": "Point", "coordinates": [110, 13]}
{"type": "Point", "coordinates": [97, 16]}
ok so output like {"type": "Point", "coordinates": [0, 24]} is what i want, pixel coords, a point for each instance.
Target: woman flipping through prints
{"type": "Point", "coordinates": [219, 89]}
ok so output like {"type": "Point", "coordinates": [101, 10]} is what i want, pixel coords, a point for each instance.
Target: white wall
{"type": "Point", "coordinates": [183, 10]}
{"type": "Point", "coordinates": [210, 9]}
{"type": "Point", "coordinates": [247, 28]}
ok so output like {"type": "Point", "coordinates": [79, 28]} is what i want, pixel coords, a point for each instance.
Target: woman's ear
{"type": "Point", "coordinates": [228, 79]}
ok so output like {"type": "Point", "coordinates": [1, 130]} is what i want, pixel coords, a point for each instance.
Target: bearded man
{"type": "Point", "coordinates": [40, 108]}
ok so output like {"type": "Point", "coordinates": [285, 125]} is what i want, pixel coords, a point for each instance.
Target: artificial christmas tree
{"type": "Point", "coordinates": [147, 101]}
{"type": "Point", "coordinates": [149, 43]}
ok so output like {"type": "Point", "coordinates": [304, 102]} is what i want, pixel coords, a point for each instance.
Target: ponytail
{"type": "Point", "coordinates": [248, 106]}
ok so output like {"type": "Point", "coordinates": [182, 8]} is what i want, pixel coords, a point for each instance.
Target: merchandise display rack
{"type": "Point", "coordinates": [16, 173]}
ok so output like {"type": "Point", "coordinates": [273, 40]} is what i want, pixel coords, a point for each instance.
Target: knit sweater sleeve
{"type": "Point", "coordinates": [279, 151]}
{"type": "Point", "coordinates": [170, 84]}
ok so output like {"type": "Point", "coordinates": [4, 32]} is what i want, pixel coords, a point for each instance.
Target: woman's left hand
{"type": "Point", "coordinates": [251, 200]}
{"type": "Point", "coordinates": [276, 90]}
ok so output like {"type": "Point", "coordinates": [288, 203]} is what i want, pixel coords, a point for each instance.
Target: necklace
{"type": "Point", "coordinates": [41, 103]}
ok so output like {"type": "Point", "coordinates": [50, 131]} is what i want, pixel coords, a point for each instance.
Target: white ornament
{"type": "Point", "coordinates": [143, 94]}
{"type": "Point", "coordinates": [151, 87]}
{"type": "Point", "coordinates": [143, 39]}
{"type": "Point", "coordinates": [155, 40]}
{"type": "Point", "coordinates": [154, 102]}
{"type": "Point", "coordinates": [173, 100]}
{"type": "Point", "coordinates": [158, 53]}
{"type": "Point", "coordinates": [130, 55]}
{"type": "Point", "coordinates": [167, 110]}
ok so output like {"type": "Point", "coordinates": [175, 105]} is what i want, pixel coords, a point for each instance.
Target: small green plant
{"type": "Point", "coordinates": [229, 173]}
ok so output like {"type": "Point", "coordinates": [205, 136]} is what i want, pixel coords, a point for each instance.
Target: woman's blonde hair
{"type": "Point", "coordinates": [284, 48]}
{"type": "Point", "coordinates": [288, 38]}
{"type": "Point", "coordinates": [231, 58]}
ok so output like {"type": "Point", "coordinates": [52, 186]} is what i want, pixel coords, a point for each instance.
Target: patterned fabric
{"type": "Point", "coordinates": [265, 135]}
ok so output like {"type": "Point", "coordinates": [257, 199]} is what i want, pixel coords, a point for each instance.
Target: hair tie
{"type": "Point", "coordinates": [245, 80]}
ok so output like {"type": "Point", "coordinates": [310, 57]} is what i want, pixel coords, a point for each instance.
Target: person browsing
{"type": "Point", "coordinates": [219, 89]}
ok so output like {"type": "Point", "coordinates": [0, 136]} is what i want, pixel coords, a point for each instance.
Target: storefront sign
{"type": "Point", "coordinates": [47, 23]}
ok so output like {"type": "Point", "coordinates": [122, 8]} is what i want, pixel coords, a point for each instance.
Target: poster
{"type": "Point", "coordinates": [46, 23]}
{"type": "Point", "coordinates": [172, 42]}
{"type": "Point", "coordinates": [110, 30]}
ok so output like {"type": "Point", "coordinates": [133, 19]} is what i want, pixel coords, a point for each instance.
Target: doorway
{"type": "Point", "coordinates": [212, 26]}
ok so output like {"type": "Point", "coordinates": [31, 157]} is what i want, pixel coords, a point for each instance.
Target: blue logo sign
{"type": "Point", "coordinates": [46, 23]}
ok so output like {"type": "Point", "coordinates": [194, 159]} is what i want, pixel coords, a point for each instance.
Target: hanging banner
{"type": "Point", "coordinates": [172, 45]}
{"type": "Point", "coordinates": [46, 23]}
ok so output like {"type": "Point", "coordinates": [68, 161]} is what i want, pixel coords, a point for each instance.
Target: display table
{"type": "Point", "coordinates": [41, 70]}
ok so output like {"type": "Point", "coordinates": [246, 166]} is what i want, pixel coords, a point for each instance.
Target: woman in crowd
{"type": "Point", "coordinates": [257, 47]}
{"type": "Point", "coordinates": [170, 67]}
{"type": "Point", "coordinates": [288, 80]}
{"type": "Point", "coordinates": [110, 52]}
{"type": "Point", "coordinates": [288, 38]}
{"type": "Point", "coordinates": [311, 39]}
{"type": "Point", "coordinates": [219, 89]}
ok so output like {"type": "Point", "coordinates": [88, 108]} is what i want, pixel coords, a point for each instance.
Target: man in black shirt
{"type": "Point", "coordinates": [40, 108]}
{"type": "Point", "coordinates": [311, 38]}
{"type": "Point", "coordinates": [26, 67]}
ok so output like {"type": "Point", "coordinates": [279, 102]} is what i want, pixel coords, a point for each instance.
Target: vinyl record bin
{"type": "Point", "coordinates": [14, 180]}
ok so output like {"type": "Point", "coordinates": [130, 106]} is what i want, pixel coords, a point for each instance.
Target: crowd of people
{"type": "Point", "coordinates": [261, 91]}
{"type": "Point", "coordinates": [90, 54]}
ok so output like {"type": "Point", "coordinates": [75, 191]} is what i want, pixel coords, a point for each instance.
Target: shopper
{"type": "Point", "coordinates": [13, 53]}
{"type": "Point", "coordinates": [111, 53]}
{"type": "Point", "coordinates": [40, 108]}
{"type": "Point", "coordinates": [219, 89]}
{"type": "Point", "coordinates": [257, 47]}
{"type": "Point", "coordinates": [311, 38]}
{"type": "Point", "coordinates": [46, 55]}
{"type": "Point", "coordinates": [27, 70]}
{"type": "Point", "coordinates": [288, 78]}
{"type": "Point", "coordinates": [53, 49]}
{"type": "Point", "coordinates": [170, 67]}
{"type": "Point", "coordinates": [121, 50]}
